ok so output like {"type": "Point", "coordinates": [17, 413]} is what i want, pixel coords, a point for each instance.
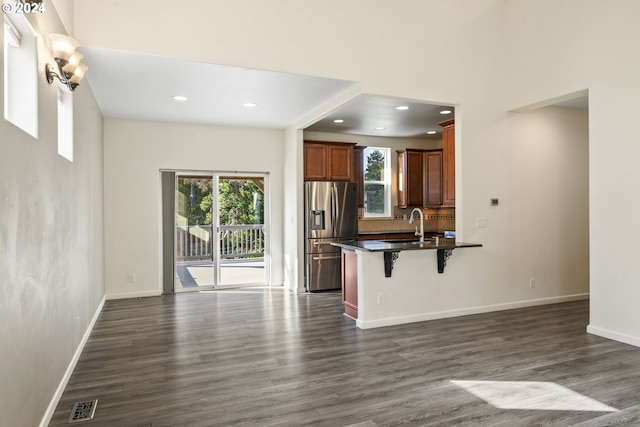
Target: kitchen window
{"type": "Point", "coordinates": [377, 182]}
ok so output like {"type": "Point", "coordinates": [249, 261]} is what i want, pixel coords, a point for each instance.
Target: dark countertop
{"type": "Point", "coordinates": [402, 245]}
{"type": "Point", "coordinates": [397, 232]}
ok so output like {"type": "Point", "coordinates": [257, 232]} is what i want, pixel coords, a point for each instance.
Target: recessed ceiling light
{"type": "Point", "coordinates": [402, 107]}
{"type": "Point", "coordinates": [180, 98]}
{"type": "Point", "coordinates": [249, 104]}
{"type": "Point", "coordinates": [431, 132]}
{"type": "Point", "coordinates": [380, 128]}
{"type": "Point", "coordinates": [338, 121]}
{"type": "Point", "coordinates": [445, 112]}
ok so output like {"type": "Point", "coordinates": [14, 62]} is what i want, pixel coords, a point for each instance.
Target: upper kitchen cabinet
{"type": "Point", "coordinates": [419, 178]}
{"type": "Point", "coordinates": [448, 163]}
{"type": "Point", "coordinates": [358, 172]}
{"type": "Point", "coordinates": [433, 178]}
{"type": "Point", "coordinates": [328, 161]}
{"type": "Point", "coordinates": [410, 178]}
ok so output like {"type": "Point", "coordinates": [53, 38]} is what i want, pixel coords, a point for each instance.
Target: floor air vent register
{"type": "Point", "coordinates": [83, 411]}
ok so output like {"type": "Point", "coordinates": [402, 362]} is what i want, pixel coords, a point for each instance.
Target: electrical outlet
{"type": "Point", "coordinates": [532, 283]}
{"type": "Point", "coordinates": [132, 277]}
{"type": "Point", "coordinates": [482, 222]}
{"type": "Point", "coordinates": [380, 298]}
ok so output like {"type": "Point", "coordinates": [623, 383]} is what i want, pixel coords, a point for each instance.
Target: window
{"type": "Point", "coordinates": [377, 182]}
{"type": "Point", "coordinates": [65, 124]}
{"type": "Point", "coordinates": [20, 74]}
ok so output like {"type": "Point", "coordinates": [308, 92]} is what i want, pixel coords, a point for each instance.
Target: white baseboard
{"type": "Point", "coordinates": [390, 321]}
{"type": "Point", "coordinates": [139, 294]}
{"type": "Point", "coordinates": [612, 335]}
{"type": "Point", "coordinates": [53, 404]}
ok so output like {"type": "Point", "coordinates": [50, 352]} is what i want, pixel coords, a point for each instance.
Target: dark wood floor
{"type": "Point", "coordinates": [269, 358]}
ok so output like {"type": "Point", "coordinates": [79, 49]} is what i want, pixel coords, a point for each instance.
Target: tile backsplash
{"type": "Point", "coordinates": [435, 219]}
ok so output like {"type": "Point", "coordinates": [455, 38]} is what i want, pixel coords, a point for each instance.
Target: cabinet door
{"type": "Point", "coordinates": [350, 283]}
{"type": "Point", "coordinates": [402, 179]}
{"type": "Point", "coordinates": [315, 162]}
{"type": "Point", "coordinates": [415, 174]}
{"type": "Point", "coordinates": [340, 162]}
{"type": "Point", "coordinates": [410, 178]}
{"type": "Point", "coordinates": [433, 178]}
{"type": "Point", "coordinates": [448, 165]}
{"type": "Point", "coordinates": [358, 172]}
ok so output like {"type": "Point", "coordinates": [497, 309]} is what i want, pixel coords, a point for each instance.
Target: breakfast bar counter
{"type": "Point", "coordinates": [391, 249]}
{"type": "Point", "coordinates": [413, 293]}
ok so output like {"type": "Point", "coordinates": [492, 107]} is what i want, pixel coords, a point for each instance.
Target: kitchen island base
{"type": "Point", "coordinates": [415, 292]}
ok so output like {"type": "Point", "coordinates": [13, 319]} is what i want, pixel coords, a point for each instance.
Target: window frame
{"type": "Point", "coordinates": [386, 182]}
{"type": "Point", "coordinates": [20, 73]}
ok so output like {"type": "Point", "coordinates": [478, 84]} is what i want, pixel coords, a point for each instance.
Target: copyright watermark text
{"type": "Point", "coordinates": [23, 7]}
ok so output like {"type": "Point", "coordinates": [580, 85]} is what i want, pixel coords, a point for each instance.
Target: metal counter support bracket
{"type": "Point", "coordinates": [390, 258]}
{"type": "Point", "coordinates": [443, 256]}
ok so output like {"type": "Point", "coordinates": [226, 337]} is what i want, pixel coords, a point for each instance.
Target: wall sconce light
{"type": "Point", "coordinates": [70, 70]}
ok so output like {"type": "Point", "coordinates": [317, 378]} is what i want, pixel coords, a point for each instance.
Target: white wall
{"type": "Point", "coordinates": [293, 216]}
{"type": "Point", "coordinates": [449, 52]}
{"type": "Point", "coordinates": [587, 45]}
{"type": "Point", "coordinates": [548, 206]}
{"type": "Point", "coordinates": [539, 230]}
{"type": "Point", "coordinates": [51, 246]}
{"type": "Point", "coordinates": [135, 152]}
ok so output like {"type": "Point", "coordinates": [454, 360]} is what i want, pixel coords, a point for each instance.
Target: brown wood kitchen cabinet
{"type": "Point", "coordinates": [432, 178]}
{"type": "Point", "coordinates": [410, 177]}
{"type": "Point", "coordinates": [358, 172]}
{"type": "Point", "coordinates": [328, 161]}
{"type": "Point", "coordinates": [419, 178]}
{"type": "Point", "coordinates": [350, 283]}
{"type": "Point", "coordinates": [448, 163]}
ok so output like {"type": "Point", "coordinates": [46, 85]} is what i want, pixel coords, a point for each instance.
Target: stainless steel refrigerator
{"type": "Point", "coordinates": [331, 210]}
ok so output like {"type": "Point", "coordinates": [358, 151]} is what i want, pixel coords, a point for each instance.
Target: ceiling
{"type": "Point", "coordinates": [216, 94]}
{"type": "Point", "coordinates": [144, 88]}
{"type": "Point", "coordinates": [379, 116]}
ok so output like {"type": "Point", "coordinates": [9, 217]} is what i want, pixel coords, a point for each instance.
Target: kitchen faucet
{"type": "Point", "coordinates": [421, 233]}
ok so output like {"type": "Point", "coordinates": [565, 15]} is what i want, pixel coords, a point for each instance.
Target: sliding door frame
{"type": "Point", "coordinates": [169, 177]}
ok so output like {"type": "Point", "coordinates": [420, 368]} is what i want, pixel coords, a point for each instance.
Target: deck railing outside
{"type": "Point", "coordinates": [236, 241]}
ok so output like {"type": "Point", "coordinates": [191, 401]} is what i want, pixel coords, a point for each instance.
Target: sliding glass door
{"type": "Point", "coordinates": [221, 233]}
{"type": "Point", "coordinates": [194, 232]}
{"type": "Point", "coordinates": [241, 229]}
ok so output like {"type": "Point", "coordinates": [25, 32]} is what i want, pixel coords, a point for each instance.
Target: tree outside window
{"type": "Point", "coordinates": [377, 182]}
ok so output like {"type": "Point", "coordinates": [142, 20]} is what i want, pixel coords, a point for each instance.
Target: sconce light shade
{"type": "Point", "coordinates": [74, 61]}
{"type": "Point", "coordinates": [78, 74]}
{"type": "Point", "coordinates": [70, 70]}
{"type": "Point", "coordinates": [63, 46]}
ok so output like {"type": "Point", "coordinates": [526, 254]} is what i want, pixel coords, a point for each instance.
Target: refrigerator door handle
{"type": "Point", "coordinates": [333, 210]}
{"type": "Point", "coordinates": [334, 197]}
{"type": "Point", "coordinates": [320, 258]}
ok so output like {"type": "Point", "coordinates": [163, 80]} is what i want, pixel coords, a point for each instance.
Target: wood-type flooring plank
{"type": "Point", "coordinates": [261, 357]}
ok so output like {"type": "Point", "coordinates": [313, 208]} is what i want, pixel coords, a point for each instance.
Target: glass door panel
{"type": "Point", "coordinates": [241, 229]}
{"type": "Point", "coordinates": [194, 255]}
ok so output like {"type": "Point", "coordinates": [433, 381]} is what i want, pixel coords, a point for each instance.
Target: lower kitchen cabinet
{"type": "Point", "coordinates": [350, 283]}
